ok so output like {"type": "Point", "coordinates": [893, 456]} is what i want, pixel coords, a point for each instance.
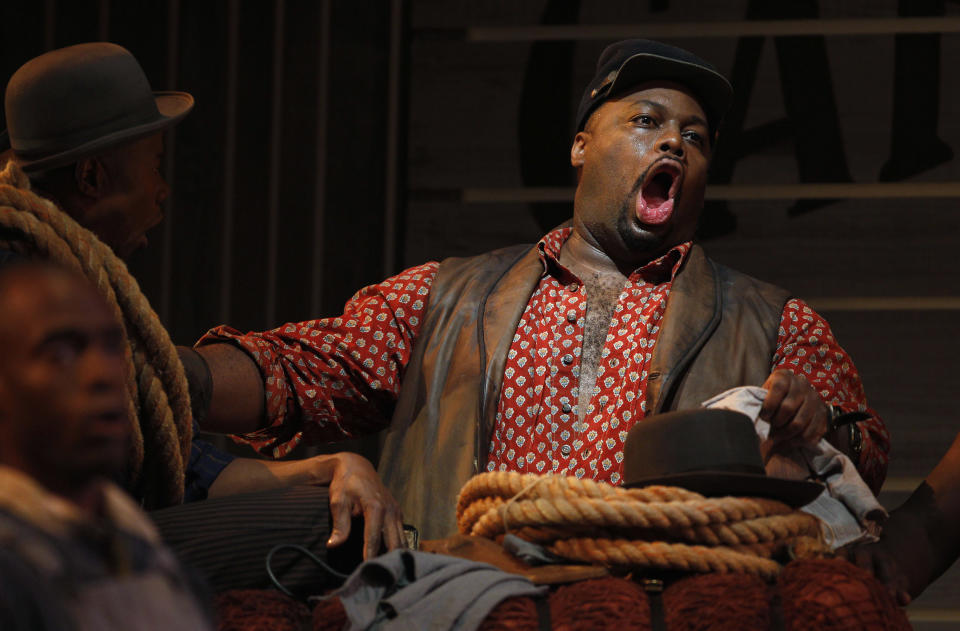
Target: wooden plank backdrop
{"type": "Point", "coordinates": [335, 142]}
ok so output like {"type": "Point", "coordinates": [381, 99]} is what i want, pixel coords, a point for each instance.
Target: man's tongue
{"type": "Point", "coordinates": [654, 205]}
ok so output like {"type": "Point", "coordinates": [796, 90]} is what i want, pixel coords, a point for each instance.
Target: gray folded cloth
{"type": "Point", "coordinates": [848, 511]}
{"type": "Point", "coordinates": [405, 590]}
{"type": "Point", "coordinates": [532, 554]}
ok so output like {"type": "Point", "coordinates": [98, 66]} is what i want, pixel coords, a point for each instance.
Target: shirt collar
{"type": "Point", "coordinates": [661, 269]}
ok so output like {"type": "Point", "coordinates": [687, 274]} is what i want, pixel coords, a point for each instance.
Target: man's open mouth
{"type": "Point", "coordinates": [655, 201]}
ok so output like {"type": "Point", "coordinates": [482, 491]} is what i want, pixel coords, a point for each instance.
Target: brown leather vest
{"type": "Point", "coordinates": [719, 331]}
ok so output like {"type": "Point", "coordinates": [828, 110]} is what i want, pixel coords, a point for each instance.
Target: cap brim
{"type": "Point", "coordinates": [794, 493]}
{"type": "Point", "coordinates": [173, 106]}
{"type": "Point", "coordinates": [712, 87]}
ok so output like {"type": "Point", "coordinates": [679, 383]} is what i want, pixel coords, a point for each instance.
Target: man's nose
{"type": "Point", "coordinates": [671, 141]}
{"type": "Point", "coordinates": [105, 369]}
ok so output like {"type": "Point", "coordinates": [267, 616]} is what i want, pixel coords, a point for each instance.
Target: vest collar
{"type": "Point", "coordinates": [691, 316]}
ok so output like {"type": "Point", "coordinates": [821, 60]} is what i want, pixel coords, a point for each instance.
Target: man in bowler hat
{"type": "Point", "coordinates": [87, 129]}
{"type": "Point", "coordinates": [540, 358]}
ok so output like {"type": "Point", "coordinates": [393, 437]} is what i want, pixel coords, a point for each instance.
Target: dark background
{"type": "Point", "coordinates": [335, 142]}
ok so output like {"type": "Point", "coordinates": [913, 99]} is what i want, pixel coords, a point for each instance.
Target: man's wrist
{"type": "Point", "coordinates": [855, 438]}
{"type": "Point", "coordinates": [323, 468]}
{"type": "Point", "coordinates": [844, 430]}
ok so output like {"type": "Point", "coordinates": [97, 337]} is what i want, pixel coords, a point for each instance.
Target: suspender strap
{"type": "Point", "coordinates": [543, 612]}
{"type": "Point", "coordinates": [654, 589]}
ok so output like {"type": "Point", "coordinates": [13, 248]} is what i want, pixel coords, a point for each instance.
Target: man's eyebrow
{"type": "Point", "coordinates": [59, 334]}
{"type": "Point", "coordinates": [693, 119]}
{"type": "Point", "coordinates": [71, 333]}
{"type": "Point", "coordinates": [657, 106]}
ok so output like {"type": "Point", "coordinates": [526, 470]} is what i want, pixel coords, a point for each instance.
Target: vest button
{"type": "Point", "coordinates": [573, 287]}
{"type": "Point", "coordinates": [567, 359]}
{"type": "Point", "coordinates": [571, 316]}
{"type": "Point", "coordinates": [565, 450]}
{"type": "Point", "coordinates": [566, 407]}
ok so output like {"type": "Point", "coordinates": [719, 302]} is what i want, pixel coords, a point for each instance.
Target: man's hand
{"type": "Point", "coordinates": [919, 541]}
{"type": "Point", "coordinates": [795, 411]}
{"type": "Point", "coordinates": [356, 489]}
{"type": "Point", "coordinates": [881, 561]}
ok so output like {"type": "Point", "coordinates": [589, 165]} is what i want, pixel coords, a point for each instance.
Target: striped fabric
{"type": "Point", "coordinates": [227, 539]}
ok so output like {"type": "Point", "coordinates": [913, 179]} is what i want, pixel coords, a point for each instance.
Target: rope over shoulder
{"type": "Point", "coordinates": [159, 403]}
{"type": "Point", "coordinates": [656, 527]}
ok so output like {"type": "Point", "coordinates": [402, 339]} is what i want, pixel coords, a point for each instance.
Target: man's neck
{"type": "Point", "coordinates": [87, 495]}
{"type": "Point", "coordinates": [585, 259]}
{"type": "Point", "coordinates": [89, 499]}
{"type": "Point", "coordinates": [47, 505]}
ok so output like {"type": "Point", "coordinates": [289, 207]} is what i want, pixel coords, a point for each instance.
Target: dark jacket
{"type": "Point", "coordinates": [719, 331]}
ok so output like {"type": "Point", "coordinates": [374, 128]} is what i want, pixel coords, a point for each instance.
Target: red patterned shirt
{"type": "Point", "coordinates": [339, 377]}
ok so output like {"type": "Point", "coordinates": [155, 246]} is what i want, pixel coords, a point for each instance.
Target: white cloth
{"type": "Point", "coordinates": [848, 511]}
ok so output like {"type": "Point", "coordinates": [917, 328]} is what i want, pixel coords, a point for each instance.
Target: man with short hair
{"type": "Point", "coordinates": [539, 359]}
{"type": "Point", "coordinates": [75, 551]}
{"type": "Point", "coordinates": [86, 128]}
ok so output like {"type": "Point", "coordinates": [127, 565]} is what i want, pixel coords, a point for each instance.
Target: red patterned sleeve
{"type": "Point", "coordinates": [339, 377]}
{"type": "Point", "coordinates": [806, 346]}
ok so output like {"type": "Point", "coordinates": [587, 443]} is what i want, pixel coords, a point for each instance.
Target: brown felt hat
{"type": "Point", "coordinates": [712, 452]}
{"type": "Point", "coordinates": [77, 101]}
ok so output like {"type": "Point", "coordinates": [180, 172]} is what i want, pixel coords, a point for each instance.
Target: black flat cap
{"type": "Point", "coordinates": [624, 64]}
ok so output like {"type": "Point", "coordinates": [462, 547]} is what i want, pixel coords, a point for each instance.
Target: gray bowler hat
{"type": "Point", "coordinates": [77, 101]}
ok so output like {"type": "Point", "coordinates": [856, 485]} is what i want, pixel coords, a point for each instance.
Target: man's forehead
{"type": "Point", "coordinates": [152, 143]}
{"type": "Point", "coordinates": [41, 297]}
{"type": "Point", "coordinates": [660, 91]}
{"type": "Point", "coordinates": [147, 146]}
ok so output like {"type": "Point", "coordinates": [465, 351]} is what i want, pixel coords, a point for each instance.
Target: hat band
{"type": "Point", "coordinates": [713, 468]}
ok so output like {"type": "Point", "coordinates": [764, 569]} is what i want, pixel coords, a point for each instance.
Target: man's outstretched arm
{"type": "Point", "coordinates": [321, 380]}
{"type": "Point", "coordinates": [921, 540]}
{"type": "Point", "coordinates": [324, 379]}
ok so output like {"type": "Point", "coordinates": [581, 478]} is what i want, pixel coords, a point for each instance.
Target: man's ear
{"type": "Point", "coordinates": [578, 147]}
{"type": "Point", "coordinates": [91, 177]}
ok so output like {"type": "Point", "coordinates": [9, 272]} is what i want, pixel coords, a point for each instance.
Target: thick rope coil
{"type": "Point", "coordinates": [663, 555]}
{"type": "Point", "coordinates": [508, 484]}
{"type": "Point", "coordinates": [157, 387]}
{"type": "Point", "coordinates": [618, 513]}
{"type": "Point", "coordinates": [661, 527]}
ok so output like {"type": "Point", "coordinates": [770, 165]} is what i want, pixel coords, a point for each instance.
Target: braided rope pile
{"type": "Point", "coordinates": [159, 403]}
{"type": "Point", "coordinates": [653, 527]}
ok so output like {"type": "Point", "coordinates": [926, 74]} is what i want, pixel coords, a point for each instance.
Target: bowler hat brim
{"type": "Point", "coordinates": [172, 106]}
{"type": "Point", "coordinates": [794, 493]}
